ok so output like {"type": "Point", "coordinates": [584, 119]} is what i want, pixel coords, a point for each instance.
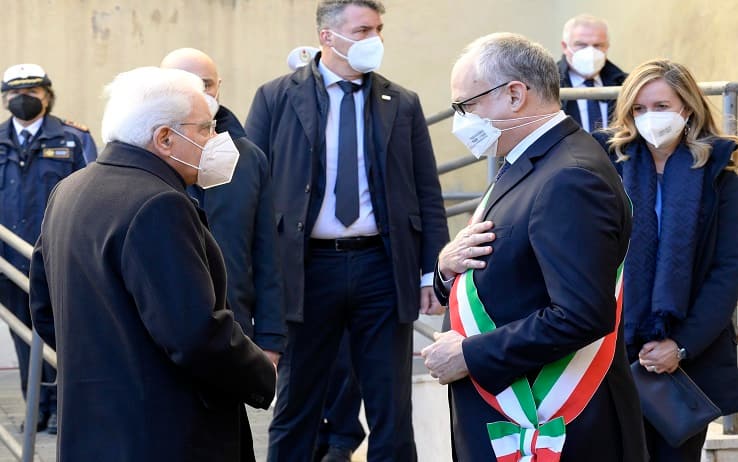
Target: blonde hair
{"type": "Point", "coordinates": [701, 127]}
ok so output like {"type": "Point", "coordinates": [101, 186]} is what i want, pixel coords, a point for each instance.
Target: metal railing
{"type": "Point", "coordinates": [39, 351]}
{"type": "Point", "coordinates": [728, 91]}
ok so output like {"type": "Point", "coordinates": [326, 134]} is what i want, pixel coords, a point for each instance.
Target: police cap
{"type": "Point", "coordinates": [24, 76]}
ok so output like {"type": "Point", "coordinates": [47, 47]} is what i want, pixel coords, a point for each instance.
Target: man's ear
{"type": "Point", "coordinates": [326, 37]}
{"type": "Point", "coordinates": [518, 95]}
{"type": "Point", "coordinates": [161, 142]}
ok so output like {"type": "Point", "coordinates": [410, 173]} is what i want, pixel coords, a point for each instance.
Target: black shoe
{"type": "Point", "coordinates": [51, 424]}
{"type": "Point", "coordinates": [42, 423]}
{"type": "Point", "coordinates": [335, 454]}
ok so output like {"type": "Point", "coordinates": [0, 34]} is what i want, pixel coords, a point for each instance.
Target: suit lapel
{"type": "Point", "coordinates": [383, 108]}
{"type": "Point", "coordinates": [303, 99]}
{"type": "Point", "coordinates": [526, 162]}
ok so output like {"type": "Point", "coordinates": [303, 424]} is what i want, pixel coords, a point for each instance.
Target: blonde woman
{"type": "Point", "coordinates": [681, 272]}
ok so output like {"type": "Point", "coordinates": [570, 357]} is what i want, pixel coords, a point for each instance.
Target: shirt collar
{"type": "Point", "coordinates": [32, 129]}
{"type": "Point", "coordinates": [526, 142]}
{"type": "Point", "coordinates": [330, 77]}
{"type": "Point", "coordinates": [578, 81]}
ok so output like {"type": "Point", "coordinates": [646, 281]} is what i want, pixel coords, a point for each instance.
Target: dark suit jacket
{"type": "Point", "coordinates": [707, 332]}
{"type": "Point", "coordinates": [611, 75]}
{"type": "Point", "coordinates": [562, 222]}
{"type": "Point", "coordinates": [241, 218]}
{"type": "Point", "coordinates": [152, 365]}
{"type": "Point", "coordinates": [287, 121]}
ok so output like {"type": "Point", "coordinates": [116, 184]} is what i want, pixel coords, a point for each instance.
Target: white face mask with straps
{"type": "Point", "coordinates": [218, 161]}
{"type": "Point", "coordinates": [588, 61]}
{"type": "Point", "coordinates": [364, 55]}
{"type": "Point", "coordinates": [660, 128]}
{"type": "Point", "coordinates": [480, 136]}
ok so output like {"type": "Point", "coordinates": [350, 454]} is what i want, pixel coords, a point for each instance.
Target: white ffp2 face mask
{"type": "Point", "coordinates": [480, 136]}
{"type": "Point", "coordinates": [588, 61]}
{"type": "Point", "coordinates": [218, 161]}
{"type": "Point", "coordinates": [364, 55]}
{"type": "Point", "coordinates": [659, 128]}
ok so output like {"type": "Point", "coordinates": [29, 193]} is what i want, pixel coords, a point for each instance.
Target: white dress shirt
{"type": "Point", "coordinates": [577, 81]}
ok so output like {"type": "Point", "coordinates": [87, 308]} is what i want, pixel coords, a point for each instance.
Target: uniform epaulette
{"type": "Point", "coordinates": [76, 125]}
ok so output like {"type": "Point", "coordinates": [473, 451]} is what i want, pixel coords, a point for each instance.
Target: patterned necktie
{"type": "Point", "coordinates": [502, 170]}
{"type": "Point", "coordinates": [593, 110]}
{"type": "Point", "coordinates": [25, 138]}
{"type": "Point", "coordinates": [347, 175]}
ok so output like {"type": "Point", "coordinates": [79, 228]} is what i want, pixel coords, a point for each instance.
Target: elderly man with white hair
{"type": "Point", "coordinates": [152, 365]}
{"type": "Point", "coordinates": [585, 42]}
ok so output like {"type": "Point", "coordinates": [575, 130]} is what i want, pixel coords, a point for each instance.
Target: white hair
{"type": "Point", "coordinates": [583, 20]}
{"type": "Point", "coordinates": [144, 99]}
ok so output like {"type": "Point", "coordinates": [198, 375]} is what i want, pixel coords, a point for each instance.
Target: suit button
{"type": "Point", "coordinates": [22, 163]}
{"type": "Point", "coordinates": [300, 226]}
{"type": "Point", "coordinates": [307, 188]}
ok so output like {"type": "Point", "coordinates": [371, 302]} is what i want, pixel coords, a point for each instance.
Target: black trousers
{"type": "Point", "coordinates": [16, 300]}
{"type": "Point", "coordinates": [351, 290]}
{"type": "Point", "coordinates": [661, 451]}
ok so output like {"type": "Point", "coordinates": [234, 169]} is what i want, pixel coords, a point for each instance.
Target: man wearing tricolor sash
{"type": "Point", "coordinates": [534, 358]}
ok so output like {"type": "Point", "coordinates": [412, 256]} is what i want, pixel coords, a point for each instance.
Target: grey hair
{"type": "Point", "coordinates": [503, 57]}
{"type": "Point", "coordinates": [583, 20]}
{"type": "Point", "coordinates": [330, 12]}
{"type": "Point", "coordinates": [146, 98]}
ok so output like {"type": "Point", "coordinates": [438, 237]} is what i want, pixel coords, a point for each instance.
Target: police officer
{"type": "Point", "coordinates": [37, 150]}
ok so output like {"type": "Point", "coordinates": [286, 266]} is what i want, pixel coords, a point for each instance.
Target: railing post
{"type": "Point", "coordinates": [35, 363]}
{"type": "Point", "coordinates": [730, 112]}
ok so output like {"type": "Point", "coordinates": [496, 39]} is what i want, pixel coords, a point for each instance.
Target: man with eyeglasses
{"type": "Point", "coordinates": [152, 364]}
{"type": "Point", "coordinates": [584, 64]}
{"type": "Point", "coordinates": [360, 220]}
{"type": "Point", "coordinates": [535, 362]}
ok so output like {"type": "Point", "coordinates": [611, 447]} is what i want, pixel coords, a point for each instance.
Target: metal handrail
{"type": "Point", "coordinates": [39, 352]}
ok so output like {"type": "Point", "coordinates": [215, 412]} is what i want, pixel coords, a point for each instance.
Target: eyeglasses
{"type": "Point", "coordinates": [202, 126]}
{"type": "Point", "coordinates": [458, 106]}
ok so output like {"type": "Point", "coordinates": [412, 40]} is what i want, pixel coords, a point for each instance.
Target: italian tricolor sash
{"type": "Point", "coordinates": [537, 415]}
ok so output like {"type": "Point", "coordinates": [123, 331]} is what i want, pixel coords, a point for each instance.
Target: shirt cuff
{"type": "Point", "coordinates": [426, 280]}
{"type": "Point", "coordinates": [447, 283]}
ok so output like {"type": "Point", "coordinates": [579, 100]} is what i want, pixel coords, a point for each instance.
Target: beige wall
{"type": "Point", "coordinates": [84, 43]}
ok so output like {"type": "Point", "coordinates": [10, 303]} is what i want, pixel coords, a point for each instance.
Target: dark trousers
{"type": "Point", "coordinates": [661, 451]}
{"type": "Point", "coordinates": [351, 290]}
{"type": "Point", "coordinates": [341, 427]}
{"type": "Point", "coordinates": [15, 299]}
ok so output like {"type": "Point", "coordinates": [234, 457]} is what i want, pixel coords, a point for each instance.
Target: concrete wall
{"type": "Point", "coordinates": [84, 43]}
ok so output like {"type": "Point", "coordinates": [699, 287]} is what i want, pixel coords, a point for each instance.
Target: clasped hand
{"type": "Point", "coordinates": [659, 356]}
{"type": "Point", "coordinates": [462, 252]}
{"type": "Point", "coordinates": [445, 358]}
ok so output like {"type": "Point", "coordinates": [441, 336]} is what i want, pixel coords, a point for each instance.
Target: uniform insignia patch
{"type": "Point", "coordinates": [57, 153]}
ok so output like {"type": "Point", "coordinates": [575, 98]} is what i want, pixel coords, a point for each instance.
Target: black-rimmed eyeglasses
{"type": "Point", "coordinates": [458, 106]}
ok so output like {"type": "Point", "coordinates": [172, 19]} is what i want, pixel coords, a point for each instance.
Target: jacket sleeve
{"type": "Point", "coordinates": [716, 300]}
{"type": "Point", "coordinates": [428, 189]}
{"type": "Point", "coordinates": [270, 328]}
{"type": "Point", "coordinates": [575, 231]}
{"type": "Point", "coordinates": [40, 301]}
{"type": "Point", "coordinates": [165, 267]}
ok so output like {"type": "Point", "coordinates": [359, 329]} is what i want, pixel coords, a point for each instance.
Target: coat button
{"type": "Point", "coordinates": [307, 188]}
{"type": "Point", "coordinates": [300, 226]}
{"type": "Point", "coordinates": [22, 163]}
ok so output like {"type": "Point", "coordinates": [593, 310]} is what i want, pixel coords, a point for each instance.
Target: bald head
{"type": "Point", "coordinates": [196, 62]}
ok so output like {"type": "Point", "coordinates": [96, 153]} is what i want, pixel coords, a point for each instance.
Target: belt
{"type": "Point", "coordinates": [343, 244]}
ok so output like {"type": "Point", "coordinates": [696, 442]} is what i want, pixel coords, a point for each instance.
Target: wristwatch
{"type": "Point", "coordinates": [681, 353]}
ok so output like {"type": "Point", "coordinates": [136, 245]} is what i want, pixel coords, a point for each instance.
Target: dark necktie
{"type": "Point", "coordinates": [25, 137]}
{"type": "Point", "coordinates": [593, 110]}
{"type": "Point", "coordinates": [502, 170]}
{"type": "Point", "coordinates": [347, 175]}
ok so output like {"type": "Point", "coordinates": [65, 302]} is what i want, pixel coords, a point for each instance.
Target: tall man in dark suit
{"type": "Point", "coordinates": [152, 365]}
{"type": "Point", "coordinates": [241, 218]}
{"type": "Point", "coordinates": [531, 280]}
{"type": "Point", "coordinates": [359, 218]}
{"type": "Point", "coordinates": [584, 64]}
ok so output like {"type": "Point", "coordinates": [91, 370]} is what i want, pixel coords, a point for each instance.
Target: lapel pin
{"type": "Point", "coordinates": [386, 97]}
